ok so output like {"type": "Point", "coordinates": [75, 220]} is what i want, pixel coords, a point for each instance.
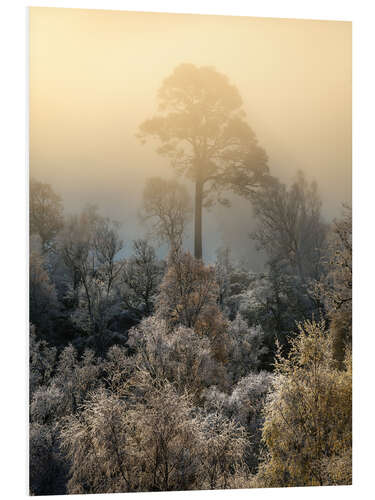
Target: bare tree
{"type": "Point", "coordinates": [89, 245]}
{"type": "Point", "coordinates": [167, 205]}
{"type": "Point", "coordinates": [107, 244]}
{"type": "Point", "coordinates": [290, 227]}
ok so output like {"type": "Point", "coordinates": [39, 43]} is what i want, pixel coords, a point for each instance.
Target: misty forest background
{"type": "Point", "coordinates": [202, 340]}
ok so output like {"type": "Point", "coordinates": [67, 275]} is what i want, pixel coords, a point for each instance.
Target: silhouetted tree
{"type": "Point", "coordinates": [202, 129]}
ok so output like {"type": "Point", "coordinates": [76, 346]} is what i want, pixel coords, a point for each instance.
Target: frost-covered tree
{"type": "Point", "coordinates": [188, 296]}
{"type": "Point", "coordinates": [151, 440]}
{"type": "Point", "coordinates": [169, 452]}
{"type": "Point", "coordinates": [275, 301]}
{"type": "Point", "coordinates": [75, 377]}
{"type": "Point", "coordinates": [96, 307]}
{"type": "Point", "coordinates": [224, 447]}
{"type": "Point", "coordinates": [246, 348]}
{"type": "Point", "coordinates": [188, 289]}
{"type": "Point", "coordinates": [94, 442]}
{"type": "Point", "coordinates": [42, 359]}
{"type": "Point", "coordinates": [76, 246]}
{"type": "Point", "coordinates": [46, 465]}
{"type": "Point", "coordinates": [89, 245]}
{"type": "Point", "coordinates": [244, 405]}
{"type": "Point", "coordinates": [233, 281]}
{"type": "Point", "coordinates": [117, 446]}
{"type": "Point", "coordinates": [117, 369]}
{"type": "Point", "coordinates": [57, 397]}
{"type": "Point", "coordinates": [308, 416]}
{"type": "Point", "coordinates": [339, 294]}
{"type": "Point", "coordinates": [180, 356]}
{"type": "Point", "coordinates": [46, 404]}
{"type": "Point", "coordinates": [140, 278]}
{"type": "Point", "coordinates": [334, 289]}
{"type": "Point", "coordinates": [106, 247]}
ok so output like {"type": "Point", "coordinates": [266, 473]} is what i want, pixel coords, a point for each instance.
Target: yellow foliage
{"type": "Point", "coordinates": [308, 416]}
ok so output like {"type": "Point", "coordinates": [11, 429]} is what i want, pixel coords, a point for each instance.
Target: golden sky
{"type": "Point", "coordinates": [94, 76]}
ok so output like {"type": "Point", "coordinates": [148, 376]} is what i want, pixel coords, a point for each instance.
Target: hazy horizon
{"type": "Point", "coordinates": [94, 77]}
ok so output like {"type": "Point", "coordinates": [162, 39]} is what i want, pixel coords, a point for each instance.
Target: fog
{"type": "Point", "coordinates": [94, 77]}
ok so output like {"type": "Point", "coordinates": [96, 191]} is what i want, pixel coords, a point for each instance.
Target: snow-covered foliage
{"type": "Point", "coordinates": [246, 347]}
{"type": "Point", "coordinates": [153, 443]}
{"type": "Point", "coordinates": [181, 356]}
{"type": "Point", "coordinates": [154, 375]}
{"type": "Point", "coordinates": [244, 405]}
{"type": "Point", "coordinates": [76, 377]}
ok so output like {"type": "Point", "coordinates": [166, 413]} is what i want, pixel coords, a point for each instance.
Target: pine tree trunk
{"type": "Point", "coordinates": [198, 220]}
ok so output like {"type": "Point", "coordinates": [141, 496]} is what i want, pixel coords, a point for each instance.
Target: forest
{"type": "Point", "coordinates": [168, 373]}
